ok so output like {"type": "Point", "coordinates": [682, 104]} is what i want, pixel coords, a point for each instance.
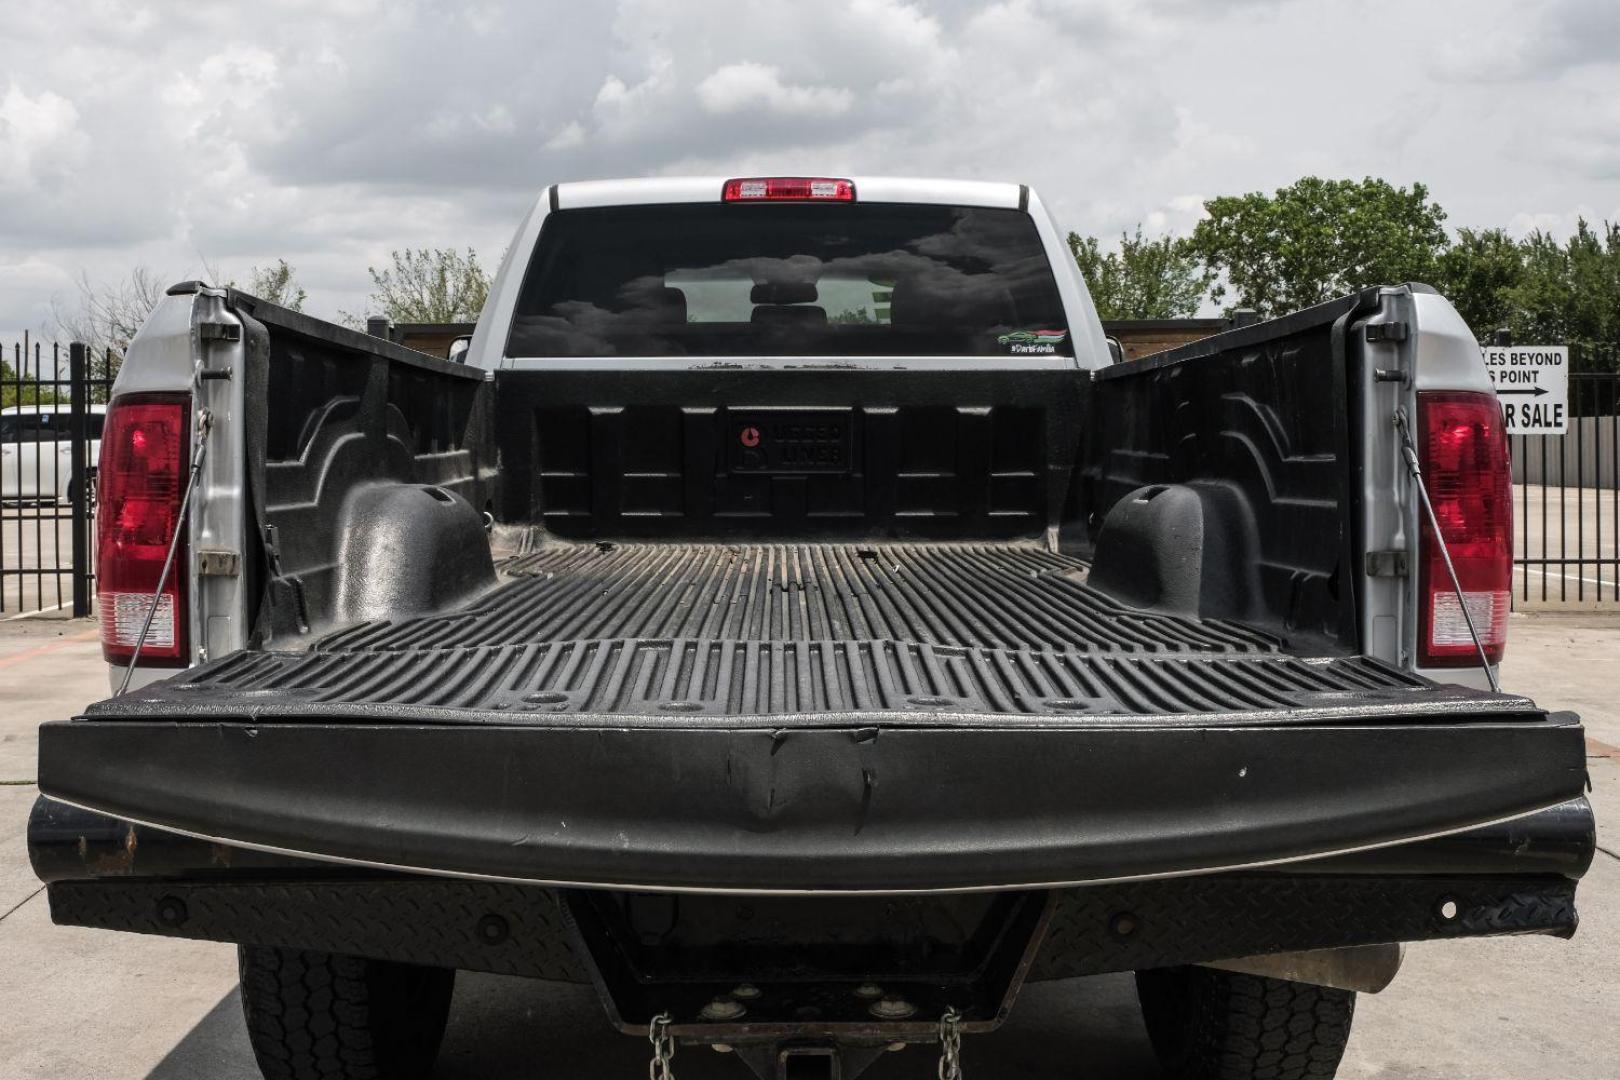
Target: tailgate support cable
{"type": "Point", "coordinates": [204, 420]}
{"type": "Point", "coordinates": [1409, 452]}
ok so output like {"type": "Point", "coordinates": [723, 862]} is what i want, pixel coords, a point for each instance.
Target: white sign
{"type": "Point", "coordinates": [1532, 382]}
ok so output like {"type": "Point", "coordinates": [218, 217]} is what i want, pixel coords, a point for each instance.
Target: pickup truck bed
{"type": "Point", "coordinates": [770, 630]}
{"type": "Point", "coordinates": [542, 625]}
{"type": "Point", "coordinates": [809, 717]}
{"type": "Point", "coordinates": [807, 663]}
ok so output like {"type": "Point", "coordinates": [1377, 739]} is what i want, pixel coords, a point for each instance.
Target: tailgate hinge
{"type": "Point", "coordinates": [1388, 564]}
{"type": "Point", "coordinates": [215, 562]}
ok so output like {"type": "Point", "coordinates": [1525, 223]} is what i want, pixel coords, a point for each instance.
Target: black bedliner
{"type": "Point", "coordinates": [696, 674]}
{"type": "Point", "coordinates": [994, 595]}
{"type": "Point", "coordinates": [763, 718]}
{"type": "Point", "coordinates": [795, 682]}
{"type": "Point", "coordinates": [784, 630]}
{"type": "Point", "coordinates": [840, 803]}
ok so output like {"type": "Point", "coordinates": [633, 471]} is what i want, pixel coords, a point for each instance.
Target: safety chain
{"type": "Point", "coordinates": [950, 1045]}
{"type": "Point", "coordinates": [663, 1049]}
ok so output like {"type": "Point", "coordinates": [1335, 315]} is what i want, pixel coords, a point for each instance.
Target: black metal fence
{"type": "Point", "coordinates": [52, 404]}
{"type": "Point", "coordinates": [1567, 494]}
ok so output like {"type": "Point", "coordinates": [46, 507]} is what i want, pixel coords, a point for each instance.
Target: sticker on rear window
{"type": "Point", "coordinates": [1033, 341]}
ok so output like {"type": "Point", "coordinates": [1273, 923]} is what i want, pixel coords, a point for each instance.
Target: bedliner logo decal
{"type": "Point", "coordinates": [1033, 341]}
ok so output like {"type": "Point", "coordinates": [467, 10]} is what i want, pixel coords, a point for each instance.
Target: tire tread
{"type": "Point", "coordinates": [322, 1016]}
{"type": "Point", "coordinates": [1217, 1025]}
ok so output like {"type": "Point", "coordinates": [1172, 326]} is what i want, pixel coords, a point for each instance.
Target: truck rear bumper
{"type": "Point", "coordinates": [913, 804]}
{"type": "Point", "coordinates": [807, 956]}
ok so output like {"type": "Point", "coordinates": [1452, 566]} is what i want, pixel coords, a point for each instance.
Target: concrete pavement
{"type": "Point", "coordinates": [1566, 523]}
{"type": "Point", "coordinates": [84, 1003]}
{"type": "Point", "coordinates": [36, 541]}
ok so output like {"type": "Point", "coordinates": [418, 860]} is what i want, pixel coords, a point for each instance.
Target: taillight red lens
{"type": "Point", "coordinates": [139, 486]}
{"type": "Point", "coordinates": [1464, 451]}
{"type": "Point", "coordinates": [788, 189]}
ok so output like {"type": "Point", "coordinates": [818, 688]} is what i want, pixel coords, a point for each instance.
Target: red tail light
{"type": "Point", "coordinates": [1464, 450]}
{"type": "Point", "coordinates": [140, 482]}
{"type": "Point", "coordinates": [788, 189]}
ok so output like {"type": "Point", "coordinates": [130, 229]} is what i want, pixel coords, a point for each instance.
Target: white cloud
{"type": "Point", "coordinates": [622, 111]}
{"type": "Point", "coordinates": [1540, 44]}
{"type": "Point", "coordinates": [736, 87]}
{"type": "Point", "coordinates": [1523, 223]}
{"type": "Point", "coordinates": [40, 140]}
{"type": "Point", "coordinates": [568, 137]}
{"type": "Point", "coordinates": [328, 131]}
{"type": "Point", "coordinates": [31, 281]}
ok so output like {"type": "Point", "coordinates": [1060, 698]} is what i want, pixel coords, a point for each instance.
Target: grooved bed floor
{"type": "Point", "coordinates": [770, 630]}
{"type": "Point", "coordinates": [1004, 596]}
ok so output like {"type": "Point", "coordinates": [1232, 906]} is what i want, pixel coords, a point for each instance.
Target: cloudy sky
{"type": "Point", "coordinates": [327, 132]}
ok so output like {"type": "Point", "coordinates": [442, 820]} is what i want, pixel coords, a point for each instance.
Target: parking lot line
{"type": "Point", "coordinates": [41, 650]}
{"type": "Point", "coordinates": [1602, 749]}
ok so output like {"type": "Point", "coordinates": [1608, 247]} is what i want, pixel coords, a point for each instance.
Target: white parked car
{"type": "Point", "coordinates": [36, 450]}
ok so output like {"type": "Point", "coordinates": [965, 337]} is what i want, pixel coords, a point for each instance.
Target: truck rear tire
{"type": "Point", "coordinates": [321, 1016]}
{"type": "Point", "coordinates": [1219, 1025]}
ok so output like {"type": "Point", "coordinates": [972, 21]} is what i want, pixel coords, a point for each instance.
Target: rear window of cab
{"type": "Point", "coordinates": [875, 279]}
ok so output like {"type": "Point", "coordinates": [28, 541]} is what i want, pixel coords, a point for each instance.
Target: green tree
{"type": "Point", "coordinates": [1569, 291]}
{"type": "Point", "coordinates": [277, 284]}
{"type": "Point", "coordinates": [851, 315]}
{"type": "Point", "coordinates": [22, 391]}
{"type": "Point", "coordinates": [428, 285]}
{"type": "Point", "coordinates": [1317, 239]}
{"type": "Point", "coordinates": [1144, 279]}
{"type": "Point", "coordinates": [1478, 274]}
